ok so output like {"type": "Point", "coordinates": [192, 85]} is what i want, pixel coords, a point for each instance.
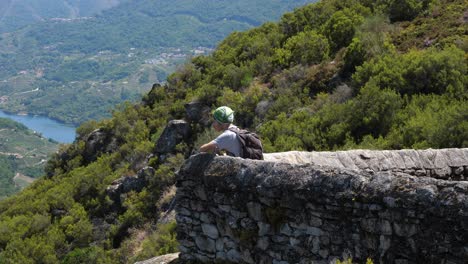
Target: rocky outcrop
{"type": "Point", "coordinates": [98, 142]}
{"type": "Point", "coordinates": [175, 132]}
{"type": "Point", "coordinates": [309, 210]}
{"type": "Point", "coordinates": [198, 112]}
{"type": "Point", "coordinates": [129, 183]}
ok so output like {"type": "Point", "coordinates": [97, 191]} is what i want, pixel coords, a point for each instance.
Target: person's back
{"type": "Point", "coordinates": [229, 142]}
{"type": "Point", "coordinates": [223, 117]}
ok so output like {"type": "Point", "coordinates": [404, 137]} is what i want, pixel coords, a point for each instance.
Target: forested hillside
{"type": "Point", "coordinates": [16, 14]}
{"type": "Point", "coordinates": [328, 76]}
{"type": "Point", "coordinates": [23, 156]}
{"type": "Point", "coordinates": [77, 69]}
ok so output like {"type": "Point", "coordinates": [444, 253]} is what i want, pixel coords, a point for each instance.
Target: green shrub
{"type": "Point", "coordinates": [86, 255]}
{"type": "Point", "coordinates": [306, 48]}
{"type": "Point", "coordinates": [400, 10]}
{"type": "Point", "coordinates": [431, 121]}
{"type": "Point", "coordinates": [340, 28]}
{"type": "Point", "coordinates": [162, 241]}
{"type": "Point", "coordinates": [426, 72]}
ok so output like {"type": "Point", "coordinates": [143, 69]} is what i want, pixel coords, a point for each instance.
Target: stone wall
{"type": "Point", "coordinates": [317, 207]}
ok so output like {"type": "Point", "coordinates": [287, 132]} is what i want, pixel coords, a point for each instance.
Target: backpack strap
{"type": "Point", "coordinates": [237, 131]}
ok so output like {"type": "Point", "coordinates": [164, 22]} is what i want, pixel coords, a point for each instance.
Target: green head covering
{"type": "Point", "coordinates": [223, 115]}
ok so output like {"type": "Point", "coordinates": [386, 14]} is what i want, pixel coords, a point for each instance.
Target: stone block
{"type": "Point", "coordinates": [404, 229]}
{"type": "Point", "coordinates": [183, 211]}
{"type": "Point", "coordinates": [225, 208]}
{"type": "Point", "coordinates": [221, 256]}
{"type": "Point", "coordinates": [286, 230]}
{"type": "Point", "coordinates": [255, 211]}
{"type": "Point", "coordinates": [248, 224]}
{"type": "Point", "coordinates": [238, 214]}
{"type": "Point", "coordinates": [263, 228]}
{"type": "Point", "coordinates": [184, 249]}
{"type": "Point", "coordinates": [280, 239]}
{"type": "Point", "coordinates": [247, 257]}
{"type": "Point", "coordinates": [219, 245]}
{"type": "Point", "coordinates": [233, 256]}
{"type": "Point", "coordinates": [206, 218]}
{"type": "Point", "coordinates": [294, 241]}
{"type": "Point", "coordinates": [315, 244]}
{"type": "Point", "coordinates": [210, 231]}
{"type": "Point", "coordinates": [184, 219]}
{"type": "Point", "coordinates": [263, 243]}
{"type": "Point", "coordinates": [385, 227]}
{"type": "Point", "coordinates": [203, 258]}
{"type": "Point", "coordinates": [313, 231]}
{"type": "Point", "coordinates": [229, 243]}
{"type": "Point", "coordinates": [315, 221]}
{"type": "Point", "coordinates": [384, 244]}
{"type": "Point", "coordinates": [205, 244]}
{"type": "Point", "coordinates": [325, 240]}
{"type": "Point", "coordinates": [186, 243]}
{"type": "Point", "coordinates": [200, 193]}
{"type": "Point", "coordinates": [323, 253]}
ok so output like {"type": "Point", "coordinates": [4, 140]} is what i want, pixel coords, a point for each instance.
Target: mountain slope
{"type": "Point", "coordinates": [85, 66]}
{"type": "Point", "coordinates": [23, 155]}
{"type": "Point", "coordinates": [331, 75]}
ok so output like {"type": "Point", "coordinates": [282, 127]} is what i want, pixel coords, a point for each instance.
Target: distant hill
{"type": "Point", "coordinates": [76, 69]}
{"type": "Point", "coordinates": [23, 155]}
{"type": "Point", "coordinates": [15, 14]}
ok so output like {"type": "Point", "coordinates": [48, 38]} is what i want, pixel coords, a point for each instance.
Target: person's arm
{"type": "Point", "coordinates": [210, 147]}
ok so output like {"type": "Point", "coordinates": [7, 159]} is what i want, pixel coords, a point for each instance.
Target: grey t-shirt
{"type": "Point", "coordinates": [228, 141]}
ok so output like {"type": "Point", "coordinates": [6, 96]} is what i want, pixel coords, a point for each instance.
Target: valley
{"type": "Point", "coordinates": [75, 69]}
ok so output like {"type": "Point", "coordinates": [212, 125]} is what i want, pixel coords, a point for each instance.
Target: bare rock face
{"type": "Point", "coordinates": [175, 132]}
{"type": "Point", "coordinates": [198, 112]}
{"type": "Point", "coordinates": [322, 206]}
{"type": "Point", "coordinates": [98, 142]}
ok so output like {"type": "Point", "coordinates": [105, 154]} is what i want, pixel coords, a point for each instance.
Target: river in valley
{"type": "Point", "coordinates": [49, 128]}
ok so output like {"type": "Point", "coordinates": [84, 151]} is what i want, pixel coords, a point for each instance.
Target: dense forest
{"type": "Point", "coordinates": [328, 76]}
{"type": "Point", "coordinates": [77, 69]}
{"type": "Point", "coordinates": [23, 156]}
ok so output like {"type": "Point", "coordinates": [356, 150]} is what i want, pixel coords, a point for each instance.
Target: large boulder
{"type": "Point", "coordinates": [175, 132]}
{"type": "Point", "coordinates": [198, 112]}
{"type": "Point", "coordinates": [98, 142]}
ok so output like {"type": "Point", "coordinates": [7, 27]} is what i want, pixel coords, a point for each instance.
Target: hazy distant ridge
{"type": "Point", "coordinates": [15, 14]}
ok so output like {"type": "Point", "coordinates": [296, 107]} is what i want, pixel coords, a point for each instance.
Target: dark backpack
{"type": "Point", "coordinates": [250, 143]}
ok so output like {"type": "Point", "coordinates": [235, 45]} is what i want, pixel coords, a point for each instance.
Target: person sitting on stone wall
{"type": "Point", "coordinates": [222, 121]}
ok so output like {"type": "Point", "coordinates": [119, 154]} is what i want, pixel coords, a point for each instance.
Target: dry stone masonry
{"type": "Point", "coordinates": [402, 206]}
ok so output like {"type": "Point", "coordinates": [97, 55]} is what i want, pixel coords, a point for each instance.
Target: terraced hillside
{"type": "Point", "coordinates": [23, 155]}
